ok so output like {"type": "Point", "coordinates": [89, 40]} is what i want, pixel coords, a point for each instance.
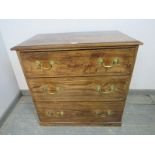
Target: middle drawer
{"type": "Point", "coordinates": [100, 88]}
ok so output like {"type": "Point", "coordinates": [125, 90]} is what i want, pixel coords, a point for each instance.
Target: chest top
{"type": "Point", "coordinates": [77, 40]}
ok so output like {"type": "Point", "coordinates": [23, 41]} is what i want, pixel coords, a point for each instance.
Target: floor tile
{"type": "Point", "coordinates": [139, 99]}
{"type": "Point", "coordinates": [138, 119]}
{"type": "Point", "coordinates": [146, 130]}
{"type": "Point", "coordinates": [26, 99]}
{"type": "Point", "coordinates": [76, 130]}
{"type": "Point", "coordinates": [129, 108]}
{"type": "Point", "coordinates": [144, 109]}
{"type": "Point", "coordinates": [125, 130]}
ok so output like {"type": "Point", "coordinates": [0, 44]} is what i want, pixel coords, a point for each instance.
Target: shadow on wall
{"type": "Point", "coordinates": [8, 85]}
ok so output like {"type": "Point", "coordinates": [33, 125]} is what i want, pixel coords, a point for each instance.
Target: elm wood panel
{"type": "Point", "coordinates": [101, 88]}
{"type": "Point", "coordinates": [80, 112]}
{"type": "Point", "coordinates": [77, 40]}
{"type": "Point", "coordinates": [78, 63]}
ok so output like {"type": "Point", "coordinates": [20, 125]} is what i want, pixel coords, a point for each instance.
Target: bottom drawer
{"type": "Point", "coordinates": [80, 112]}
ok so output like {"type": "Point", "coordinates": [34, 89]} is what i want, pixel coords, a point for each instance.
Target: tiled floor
{"type": "Point", "coordinates": [138, 118]}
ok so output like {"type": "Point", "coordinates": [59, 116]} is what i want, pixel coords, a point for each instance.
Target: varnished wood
{"type": "Point", "coordinates": [79, 88]}
{"type": "Point", "coordinates": [79, 78]}
{"type": "Point", "coordinates": [80, 112]}
{"type": "Point", "coordinates": [50, 123]}
{"type": "Point", "coordinates": [78, 63]}
{"type": "Point", "coordinates": [77, 39]}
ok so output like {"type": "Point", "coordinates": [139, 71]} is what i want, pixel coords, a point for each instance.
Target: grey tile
{"type": "Point", "coordinates": [146, 130]}
{"type": "Point", "coordinates": [139, 114]}
{"type": "Point", "coordinates": [77, 130]}
{"type": "Point", "coordinates": [21, 129]}
{"type": "Point", "coordinates": [144, 109]}
{"type": "Point", "coordinates": [129, 108]}
{"type": "Point", "coordinates": [138, 119]}
{"type": "Point", "coordinates": [134, 130]}
{"type": "Point", "coordinates": [29, 128]}
{"type": "Point", "coordinates": [124, 130]}
{"type": "Point", "coordinates": [25, 108]}
{"type": "Point", "coordinates": [25, 124]}
{"type": "Point", "coordinates": [26, 99]}
{"type": "Point", "coordinates": [139, 99]}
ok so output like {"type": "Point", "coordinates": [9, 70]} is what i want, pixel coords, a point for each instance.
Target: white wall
{"type": "Point", "coordinates": [8, 85]}
{"type": "Point", "coordinates": [16, 31]}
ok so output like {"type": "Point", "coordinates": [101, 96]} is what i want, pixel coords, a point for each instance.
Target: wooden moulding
{"type": "Point", "coordinates": [79, 40]}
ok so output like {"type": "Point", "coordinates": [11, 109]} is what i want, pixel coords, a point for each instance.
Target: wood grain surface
{"type": "Point", "coordinates": [80, 112]}
{"type": "Point", "coordinates": [77, 40]}
{"type": "Point", "coordinates": [79, 78]}
{"type": "Point", "coordinates": [101, 88]}
{"type": "Point", "coordinates": [78, 63]}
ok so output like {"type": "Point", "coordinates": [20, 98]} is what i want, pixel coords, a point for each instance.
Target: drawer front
{"type": "Point", "coordinates": [78, 63]}
{"type": "Point", "coordinates": [80, 112]}
{"type": "Point", "coordinates": [101, 88]}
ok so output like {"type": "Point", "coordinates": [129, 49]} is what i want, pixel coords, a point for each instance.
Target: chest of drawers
{"type": "Point", "coordinates": [79, 78]}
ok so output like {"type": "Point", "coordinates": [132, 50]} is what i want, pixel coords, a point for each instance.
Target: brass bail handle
{"type": "Point", "coordinates": [115, 61]}
{"type": "Point", "coordinates": [103, 114]}
{"type": "Point", "coordinates": [110, 90]}
{"type": "Point", "coordinates": [55, 114]}
{"type": "Point", "coordinates": [40, 65]}
{"type": "Point", "coordinates": [46, 90]}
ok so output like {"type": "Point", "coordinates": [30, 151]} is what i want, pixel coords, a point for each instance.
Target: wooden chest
{"type": "Point", "coordinates": [79, 78]}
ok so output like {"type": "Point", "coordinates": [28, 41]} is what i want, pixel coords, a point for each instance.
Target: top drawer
{"type": "Point", "coordinates": [78, 63]}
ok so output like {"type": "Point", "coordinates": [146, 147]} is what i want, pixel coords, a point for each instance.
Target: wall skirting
{"type": "Point", "coordinates": [25, 92]}
{"type": "Point", "coordinates": [10, 108]}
